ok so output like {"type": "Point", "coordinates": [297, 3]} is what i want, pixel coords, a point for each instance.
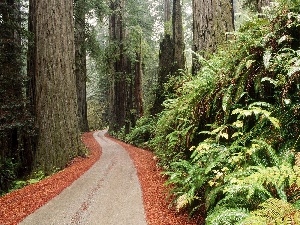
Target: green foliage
{"type": "Point", "coordinates": [96, 118]}
{"type": "Point", "coordinates": [8, 174]}
{"type": "Point", "coordinates": [259, 183]}
{"type": "Point", "coordinates": [142, 132]}
{"type": "Point", "coordinates": [273, 211]}
{"type": "Point", "coordinates": [34, 178]}
{"type": "Point", "coordinates": [120, 134]}
{"type": "Point", "coordinates": [228, 136]}
{"type": "Point", "coordinates": [17, 132]}
{"type": "Point", "coordinates": [187, 180]}
{"type": "Point", "coordinates": [226, 216]}
{"type": "Point", "coordinates": [177, 125]}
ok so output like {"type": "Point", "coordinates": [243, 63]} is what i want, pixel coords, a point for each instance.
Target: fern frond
{"type": "Point", "coordinates": [227, 101]}
{"type": "Point", "coordinates": [186, 178]}
{"type": "Point", "coordinates": [241, 75]}
{"type": "Point", "coordinates": [271, 81]}
{"type": "Point", "coordinates": [260, 104]}
{"type": "Point", "coordinates": [274, 211]}
{"type": "Point", "coordinates": [263, 150]}
{"type": "Point", "coordinates": [212, 196]}
{"type": "Point", "coordinates": [254, 192]}
{"type": "Point", "coordinates": [261, 181]}
{"type": "Point", "coordinates": [241, 87]}
{"type": "Point", "coordinates": [225, 216]}
{"type": "Point", "coordinates": [267, 58]}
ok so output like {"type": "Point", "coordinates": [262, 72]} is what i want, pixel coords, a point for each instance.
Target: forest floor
{"type": "Point", "coordinates": [17, 205]}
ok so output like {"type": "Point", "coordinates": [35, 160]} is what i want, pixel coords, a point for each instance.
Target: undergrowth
{"type": "Point", "coordinates": [229, 139]}
{"type": "Point", "coordinates": [20, 183]}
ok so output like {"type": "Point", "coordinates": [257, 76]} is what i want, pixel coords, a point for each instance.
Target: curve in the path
{"type": "Point", "coordinates": [107, 194]}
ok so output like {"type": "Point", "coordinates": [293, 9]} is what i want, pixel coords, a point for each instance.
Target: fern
{"type": "Point", "coordinates": [255, 109]}
{"type": "Point", "coordinates": [187, 178]}
{"type": "Point", "coordinates": [249, 188]}
{"type": "Point", "coordinates": [263, 180]}
{"type": "Point", "coordinates": [142, 132]}
{"type": "Point", "coordinates": [249, 94]}
{"type": "Point", "coordinates": [242, 75]}
{"type": "Point", "coordinates": [273, 211]}
{"type": "Point", "coordinates": [225, 216]}
{"type": "Point", "coordinates": [263, 154]}
{"type": "Point", "coordinates": [227, 101]}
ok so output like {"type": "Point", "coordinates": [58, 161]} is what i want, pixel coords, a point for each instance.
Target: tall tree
{"type": "Point", "coordinates": [167, 16]}
{"type": "Point", "coordinates": [135, 108]}
{"type": "Point", "coordinates": [55, 84]}
{"type": "Point", "coordinates": [171, 53]}
{"type": "Point", "coordinates": [211, 21]}
{"type": "Point", "coordinates": [138, 93]}
{"type": "Point", "coordinates": [118, 65]}
{"type": "Point", "coordinates": [178, 37]}
{"type": "Point", "coordinates": [166, 59]}
{"type": "Point", "coordinates": [124, 63]}
{"type": "Point", "coordinates": [16, 149]}
{"type": "Point", "coordinates": [80, 62]}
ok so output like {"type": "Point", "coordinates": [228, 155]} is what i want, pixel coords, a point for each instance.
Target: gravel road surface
{"type": "Point", "coordinates": [107, 194]}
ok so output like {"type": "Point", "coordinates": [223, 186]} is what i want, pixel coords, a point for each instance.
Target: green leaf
{"type": "Point", "coordinates": [274, 121]}
{"type": "Point", "coordinates": [224, 135]}
{"type": "Point", "coordinates": [238, 124]}
{"type": "Point", "coordinates": [249, 63]}
{"type": "Point", "coordinates": [267, 58]}
{"type": "Point", "coordinates": [272, 81]}
{"type": "Point", "coordinates": [293, 70]}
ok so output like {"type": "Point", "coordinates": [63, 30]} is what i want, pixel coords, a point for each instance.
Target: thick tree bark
{"type": "Point", "coordinates": [118, 65]}
{"type": "Point", "coordinates": [171, 54]}
{"type": "Point", "coordinates": [211, 21]}
{"type": "Point", "coordinates": [80, 63]}
{"type": "Point", "coordinates": [166, 60]}
{"type": "Point", "coordinates": [167, 17]}
{"type": "Point", "coordinates": [31, 59]}
{"type": "Point", "coordinates": [55, 84]}
{"type": "Point", "coordinates": [178, 37]}
{"type": "Point", "coordinates": [167, 11]}
{"type": "Point", "coordinates": [137, 87]}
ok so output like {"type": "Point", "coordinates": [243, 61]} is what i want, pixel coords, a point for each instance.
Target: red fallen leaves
{"type": "Point", "coordinates": [154, 191]}
{"type": "Point", "coordinates": [15, 206]}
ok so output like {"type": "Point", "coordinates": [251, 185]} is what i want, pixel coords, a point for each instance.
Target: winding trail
{"type": "Point", "coordinates": [109, 193]}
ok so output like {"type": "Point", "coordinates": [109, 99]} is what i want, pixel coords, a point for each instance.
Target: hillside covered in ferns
{"type": "Point", "coordinates": [228, 138]}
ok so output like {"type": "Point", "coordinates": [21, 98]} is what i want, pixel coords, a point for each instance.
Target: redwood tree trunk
{"type": "Point", "coordinates": [178, 37]}
{"type": "Point", "coordinates": [55, 84]}
{"type": "Point", "coordinates": [166, 59]}
{"type": "Point", "coordinates": [167, 17]}
{"type": "Point", "coordinates": [167, 11]}
{"type": "Point", "coordinates": [171, 53]}
{"type": "Point", "coordinates": [211, 21]}
{"type": "Point", "coordinates": [138, 99]}
{"type": "Point", "coordinates": [118, 64]}
{"type": "Point", "coordinates": [80, 63]}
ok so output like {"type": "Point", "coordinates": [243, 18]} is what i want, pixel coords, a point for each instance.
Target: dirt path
{"type": "Point", "coordinates": [107, 194]}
